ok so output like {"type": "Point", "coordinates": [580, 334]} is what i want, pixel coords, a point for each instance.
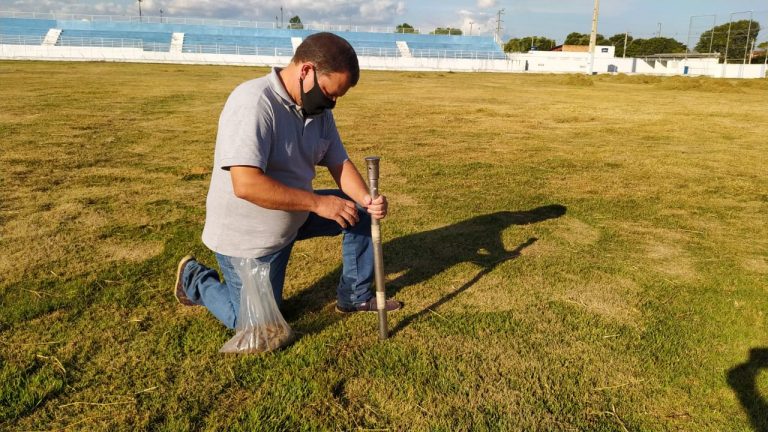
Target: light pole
{"type": "Point", "coordinates": [161, 15]}
{"type": "Point", "coordinates": [728, 38]}
{"type": "Point", "coordinates": [749, 30]}
{"type": "Point", "coordinates": [659, 32]}
{"type": "Point", "coordinates": [470, 28]}
{"type": "Point", "coordinates": [690, 34]}
{"type": "Point", "coordinates": [139, 1]}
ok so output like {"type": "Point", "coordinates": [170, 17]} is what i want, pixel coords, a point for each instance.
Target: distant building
{"type": "Point", "coordinates": [571, 48]}
{"type": "Point", "coordinates": [600, 50]}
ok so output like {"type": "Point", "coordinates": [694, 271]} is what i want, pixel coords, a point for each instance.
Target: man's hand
{"type": "Point", "coordinates": [376, 208]}
{"type": "Point", "coordinates": [332, 207]}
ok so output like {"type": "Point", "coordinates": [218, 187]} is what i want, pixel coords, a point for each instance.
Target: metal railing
{"type": "Point", "coordinates": [457, 54]}
{"type": "Point", "coordinates": [21, 40]}
{"type": "Point", "coordinates": [157, 46]}
{"type": "Point", "coordinates": [99, 42]}
{"type": "Point", "coordinates": [237, 50]}
{"type": "Point", "coordinates": [378, 52]}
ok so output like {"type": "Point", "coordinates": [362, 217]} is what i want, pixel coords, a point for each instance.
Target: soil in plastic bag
{"type": "Point", "coordinates": [260, 325]}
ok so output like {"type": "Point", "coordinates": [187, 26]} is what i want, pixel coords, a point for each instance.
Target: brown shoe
{"type": "Point", "coordinates": [178, 288]}
{"type": "Point", "coordinates": [370, 306]}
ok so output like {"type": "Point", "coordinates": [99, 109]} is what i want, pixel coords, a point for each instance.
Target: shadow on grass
{"type": "Point", "coordinates": [743, 380]}
{"type": "Point", "coordinates": [419, 257]}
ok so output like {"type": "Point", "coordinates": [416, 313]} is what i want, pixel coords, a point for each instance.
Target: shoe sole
{"type": "Point", "coordinates": [179, 269]}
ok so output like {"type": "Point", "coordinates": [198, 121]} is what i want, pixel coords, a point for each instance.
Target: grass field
{"type": "Point", "coordinates": [574, 253]}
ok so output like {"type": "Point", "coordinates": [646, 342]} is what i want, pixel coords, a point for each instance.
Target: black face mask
{"type": "Point", "coordinates": [314, 101]}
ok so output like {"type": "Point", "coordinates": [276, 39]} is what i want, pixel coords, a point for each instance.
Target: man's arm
{"type": "Point", "coordinates": [350, 182]}
{"type": "Point", "coordinates": [251, 184]}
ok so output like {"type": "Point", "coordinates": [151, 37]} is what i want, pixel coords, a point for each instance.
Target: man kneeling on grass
{"type": "Point", "coordinates": [273, 131]}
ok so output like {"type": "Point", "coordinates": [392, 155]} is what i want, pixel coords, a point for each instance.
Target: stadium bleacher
{"type": "Point", "coordinates": [21, 31]}
{"type": "Point", "coordinates": [220, 39]}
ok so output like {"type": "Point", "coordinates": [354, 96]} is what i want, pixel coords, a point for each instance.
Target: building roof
{"type": "Point", "coordinates": [571, 48]}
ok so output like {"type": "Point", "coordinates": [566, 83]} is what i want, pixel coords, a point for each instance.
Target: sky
{"type": "Point", "coordinates": [680, 19]}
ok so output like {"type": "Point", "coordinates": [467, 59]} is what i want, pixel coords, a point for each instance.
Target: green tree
{"type": "Point", "coordinates": [617, 41]}
{"type": "Point", "coordinates": [763, 45]}
{"type": "Point", "coordinates": [742, 34]}
{"type": "Point", "coordinates": [529, 43]}
{"type": "Point", "coordinates": [295, 23]}
{"type": "Point", "coordinates": [652, 46]}
{"type": "Point", "coordinates": [405, 28]}
{"type": "Point", "coordinates": [447, 31]}
{"type": "Point", "coordinates": [583, 39]}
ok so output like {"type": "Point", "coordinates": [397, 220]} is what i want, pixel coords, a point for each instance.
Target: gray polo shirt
{"type": "Point", "coordinates": [261, 126]}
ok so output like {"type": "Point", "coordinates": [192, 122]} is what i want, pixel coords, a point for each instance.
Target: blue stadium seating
{"type": "Point", "coordinates": [244, 40]}
{"type": "Point", "coordinates": [24, 31]}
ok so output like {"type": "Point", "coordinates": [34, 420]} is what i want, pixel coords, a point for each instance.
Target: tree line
{"type": "Point", "coordinates": [740, 43]}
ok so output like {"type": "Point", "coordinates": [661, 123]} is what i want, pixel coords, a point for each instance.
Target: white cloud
{"type": "Point", "coordinates": [476, 22]}
{"type": "Point", "coordinates": [56, 6]}
{"type": "Point", "coordinates": [485, 4]}
{"type": "Point", "coordinates": [310, 11]}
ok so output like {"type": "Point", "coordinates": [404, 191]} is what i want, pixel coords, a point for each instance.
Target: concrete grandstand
{"type": "Point", "coordinates": [189, 40]}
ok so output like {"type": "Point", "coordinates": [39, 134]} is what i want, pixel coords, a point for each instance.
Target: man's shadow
{"type": "Point", "coordinates": [743, 380]}
{"type": "Point", "coordinates": [418, 257]}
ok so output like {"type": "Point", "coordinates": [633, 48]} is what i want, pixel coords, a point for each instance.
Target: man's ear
{"type": "Point", "coordinates": [304, 70]}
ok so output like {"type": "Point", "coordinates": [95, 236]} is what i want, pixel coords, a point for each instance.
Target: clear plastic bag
{"type": "Point", "coordinates": [260, 325]}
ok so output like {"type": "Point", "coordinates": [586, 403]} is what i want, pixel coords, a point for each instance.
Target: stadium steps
{"type": "Point", "coordinates": [52, 37]}
{"type": "Point", "coordinates": [296, 41]}
{"type": "Point", "coordinates": [403, 47]}
{"type": "Point", "coordinates": [177, 42]}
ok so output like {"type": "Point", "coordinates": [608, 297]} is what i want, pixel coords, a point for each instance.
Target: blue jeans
{"type": "Point", "coordinates": [204, 287]}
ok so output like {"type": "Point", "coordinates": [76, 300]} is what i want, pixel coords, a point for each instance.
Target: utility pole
{"type": "Point", "coordinates": [626, 36]}
{"type": "Point", "coordinates": [728, 40]}
{"type": "Point", "coordinates": [593, 37]}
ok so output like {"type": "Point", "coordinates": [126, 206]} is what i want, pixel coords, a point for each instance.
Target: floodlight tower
{"type": "Point", "coordinates": [593, 37]}
{"type": "Point", "coordinates": [498, 23]}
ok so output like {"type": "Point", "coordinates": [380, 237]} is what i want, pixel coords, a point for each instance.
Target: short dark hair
{"type": "Point", "coordinates": [330, 53]}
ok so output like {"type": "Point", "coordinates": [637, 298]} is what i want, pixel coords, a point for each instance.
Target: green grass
{"type": "Point", "coordinates": [574, 254]}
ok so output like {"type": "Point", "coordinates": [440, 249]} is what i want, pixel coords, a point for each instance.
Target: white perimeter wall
{"type": "Point", "coordinates": [547, 62]}
{"type": "Point", "coordinates": [535, 62]}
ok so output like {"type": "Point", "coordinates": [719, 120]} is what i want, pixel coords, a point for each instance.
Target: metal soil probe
{"type": "Point", "coordinates": [378, 258]}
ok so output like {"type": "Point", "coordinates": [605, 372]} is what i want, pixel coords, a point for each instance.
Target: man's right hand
{"type": "Point", "coordinates": [344, 212]}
